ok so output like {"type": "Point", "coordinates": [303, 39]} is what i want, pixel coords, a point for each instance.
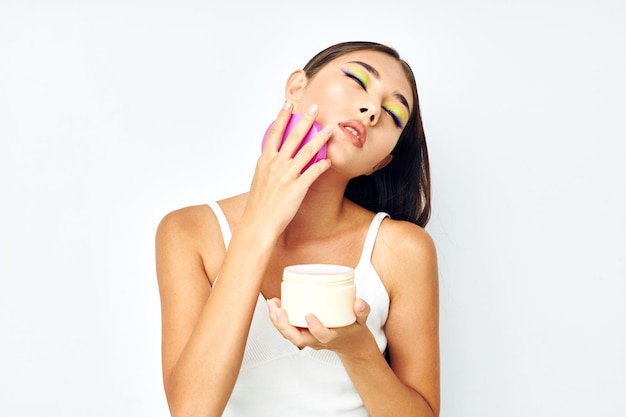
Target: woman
{"type": "Point", "coordinates": [223, 351]}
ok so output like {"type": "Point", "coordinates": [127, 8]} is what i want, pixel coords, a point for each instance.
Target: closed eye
{"type": "Point", "coordinates": [363, 82]}
{"type": "Point", "coordinates": [397, 114]}
{"type": "Point", "coordinates": [395, 117]}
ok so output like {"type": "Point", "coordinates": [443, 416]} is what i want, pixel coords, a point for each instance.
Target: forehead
{"type": "Point", "coordinates": [391, 71]}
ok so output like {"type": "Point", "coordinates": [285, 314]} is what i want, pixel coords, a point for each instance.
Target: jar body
{"type": "Point", "coordinates": [327, 291]}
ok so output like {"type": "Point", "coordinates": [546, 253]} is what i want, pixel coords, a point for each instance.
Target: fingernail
{"type": "Point", "coordinates": [279, 314]}
{"type": "Point", "coordinates": [287, 106]}
{"type": "Point", "coordinates": [328, 129]}
{"type": "Point", "coordinates": [312, 110]}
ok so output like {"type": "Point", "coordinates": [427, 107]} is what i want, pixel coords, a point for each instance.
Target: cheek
{"type": "Point", "coordinates": [327, 95]}
{"type": "Point", "coordinates": [331, 96]}
{"type": "Point", "coordinates": [386, 143]}
{"type": "Point", "coordinates": [323, 98]}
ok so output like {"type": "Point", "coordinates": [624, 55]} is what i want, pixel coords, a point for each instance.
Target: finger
{"type": "Point", "coordinates": [308, 152]}
{"type": "Point", "coordinates": [279, 318]}
{"type": "Point", "coordinates": [298, 336]}
{"type": "Point", "coordinates": [361, 310]}
{"type": "Point", "coordinates": [275, 131]}
{"type": "Point", "coordinates": [317, 329]}
{"type": "Point", "coordinates": [274, 310]}
{"type": "Point", "coordinates": [297, 134]}
{"type": "Point", "coordinates": [314, 171]}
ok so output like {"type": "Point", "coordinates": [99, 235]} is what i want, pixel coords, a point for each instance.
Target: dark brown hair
{"type": "Point", "coordinates": [402, 188]}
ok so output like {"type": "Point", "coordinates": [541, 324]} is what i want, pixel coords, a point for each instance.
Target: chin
{"type": "Point", "coordinates": [340, 161]}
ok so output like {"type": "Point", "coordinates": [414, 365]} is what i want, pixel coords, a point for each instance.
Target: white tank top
{"type": "Point", "coordinates": [279, 380]}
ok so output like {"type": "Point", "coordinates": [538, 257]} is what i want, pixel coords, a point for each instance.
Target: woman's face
{"type": "Point", "coordinates": [366, 97]}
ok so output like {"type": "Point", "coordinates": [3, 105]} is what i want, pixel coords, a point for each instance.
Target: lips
{"type": "Point", "coordinates": [355, 132]}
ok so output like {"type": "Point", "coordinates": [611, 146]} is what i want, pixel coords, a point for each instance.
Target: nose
{"type": "Point", "coordinates": [371, 112]}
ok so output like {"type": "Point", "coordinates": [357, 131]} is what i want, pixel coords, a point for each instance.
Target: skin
{"type": "Point", "coordinates": [289, 218]}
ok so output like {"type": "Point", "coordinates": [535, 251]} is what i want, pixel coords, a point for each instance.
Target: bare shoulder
{"type": "Point", "coordinates": [190, 234]}
{"type": "Point", "coordinates": [185, 219]}
{"type": "Point", "coordinates": [404, 251]}
{"type": "Point", "coordinates": [187, 224]}
{"type": "Point", "coordinates": [406, 236]}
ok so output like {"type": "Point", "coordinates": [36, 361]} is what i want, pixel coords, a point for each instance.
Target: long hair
{"type": "Point", "coordinates": [402, 188]}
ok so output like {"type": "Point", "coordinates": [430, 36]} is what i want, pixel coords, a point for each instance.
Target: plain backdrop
{"type": "Point", "coordinates": [114, 113]}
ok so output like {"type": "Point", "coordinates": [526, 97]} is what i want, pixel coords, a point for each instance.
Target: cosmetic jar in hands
{"type": "Point", "coordinates": [327, 291]}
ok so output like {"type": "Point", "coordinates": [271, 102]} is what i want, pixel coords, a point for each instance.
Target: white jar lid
{"type": "Point", "coordinates": [318, 272]}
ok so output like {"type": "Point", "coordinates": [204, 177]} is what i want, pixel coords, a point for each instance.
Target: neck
{"type": "Point", "coordinates": [321, 210]}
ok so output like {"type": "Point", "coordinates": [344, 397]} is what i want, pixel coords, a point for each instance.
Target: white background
{"type": "Point", "coordinates": [114, 113]}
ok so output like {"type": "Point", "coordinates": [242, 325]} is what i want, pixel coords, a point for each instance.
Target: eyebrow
{"type": "Point", "coordinates": [376, 75]}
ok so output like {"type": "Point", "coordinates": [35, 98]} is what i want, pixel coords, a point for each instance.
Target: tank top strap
{"type": "Point", "coordinates": [370, 238]}
{"type": "Point", "coordinates": [221, 219]}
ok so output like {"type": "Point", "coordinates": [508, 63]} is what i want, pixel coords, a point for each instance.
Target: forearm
{"type": "Point", "coordinates": [204, 375]}
{"type": "Point", "coordinates": [383, 393]}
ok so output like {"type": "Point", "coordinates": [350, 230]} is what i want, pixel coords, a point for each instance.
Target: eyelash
{"type": "Point", "coordinates": [355, 78]}
{"type": "Point", "coordinates": [394, 117]}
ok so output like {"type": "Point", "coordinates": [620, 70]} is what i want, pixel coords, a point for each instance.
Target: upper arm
{"type": "Point", "coordinates": [409, 265]}
{"type": "Point", "coordinates": [184, 285]}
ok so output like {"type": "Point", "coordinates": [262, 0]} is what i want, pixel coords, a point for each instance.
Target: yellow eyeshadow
{"type": "Point", "coordinates": [398, 111]}
{"type": "Point", "coordinates": [362, 75]}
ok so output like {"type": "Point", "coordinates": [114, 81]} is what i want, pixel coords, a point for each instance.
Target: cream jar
{"type": "Point", "coordinates": [325, 290]}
